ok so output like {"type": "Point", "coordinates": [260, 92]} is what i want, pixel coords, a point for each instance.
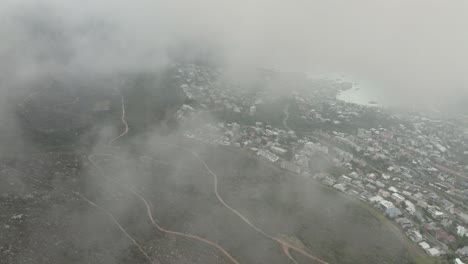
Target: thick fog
{"type": "Point", "coordinates": [411, 52]}
{"type": "Point", "coordinates": [404, 49]}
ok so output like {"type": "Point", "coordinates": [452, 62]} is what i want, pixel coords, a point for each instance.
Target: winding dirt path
{"type": "Point", "coordinates": [122, 118]}
{"type": "Point", "coordinates": [241, 216]}
{"type": "Point", "coordinates": [287, 253]}
{"type": "Point", "coordinates": [284, 245]}
{"type": "Point", "coordinates": [150, 215]}
{"type": "Point", "coordinates": [111, 216]}
{"type": "Point", "coordinates": [28, 98]}
{"type": "Point", "coordinates": [286, 117]}
{"type": "Point", "coordinates": [90, 158]}
{"type": "Point", "coordinates": [247, 221]}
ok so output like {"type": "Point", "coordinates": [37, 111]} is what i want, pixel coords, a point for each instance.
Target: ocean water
{"type": "Point", "coordinates": [361, 95]}
{"type": "Point", "coordinates": [364, 91]}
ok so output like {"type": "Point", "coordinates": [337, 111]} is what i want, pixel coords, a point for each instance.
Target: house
{"type": "Point", "coordinates": [340, 187]}
{"type": "Point", "coordinates": [461, 231]}
{"type": "Point", "coordinates": [463, 251]}
{"type": "Point", "coordinates": [435, 213]}
{"type": "Point", "coordinates": [278, 150]}
{"type": "Point", "coordinates": [268, 155]}
{"type": "Point", "coordinates": [424, 245]}
{"type": "Point", "coordinates": [443, 236]}
{"type": "Point", "coordinates": [380, 184]}
{"type": "Point", "coordinates": [447, 205]}
{"type": "Point", "coordinates": [376, 198]}
{"type": "Point", "coordinates": [386, 176]}
{"type": "Point", "coordinates": [289, 166]}
{"type": "Point", "coordinates": [371, 187]}
{"type": "Point", "coordinates": [433, 252]}
{"type": "Point", "coordinates": [345, 178]}
{"type": "Point", "coordinates": [404, 222]}
{"type": "Point", "coordinates": [415, 235]}
{"type": "Point", "coordinates": [384, 193]}
{"type": "Point", "coordinates": [462, 216]}
{"type": "Point", "coordinates": [386, 204]}
{"type": "Point", "coordinates": [446, 222]}
{"type": "Point", "coordinates": [397, 198]}
{"type": "Point", "coordinates": [406, 193]}
{"type": "Point", "coordinates": [328, 181]}
{"type": "Point", "coordinates": [393, 212]}
{"type": "Point", "coordinates": [409, 206]}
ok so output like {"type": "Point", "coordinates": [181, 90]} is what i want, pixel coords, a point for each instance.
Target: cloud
{"type": "Point", "coordinates": [404, 48]}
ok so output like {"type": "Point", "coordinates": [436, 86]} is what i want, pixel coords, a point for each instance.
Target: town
{"type": "Point", "coordinates": [409, 165]}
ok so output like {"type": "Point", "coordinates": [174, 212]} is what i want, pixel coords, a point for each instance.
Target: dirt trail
{"type": "Point", "coordinates": [221, 200]}
{"type": "Point", "coordinates": [120, 227]}
{"type": "Point", "coordinates": [286, 117]}
{"type": "Point", "coordinates": [241, 216]}
{"type": "Point", "coordinates": [150, 215]}
{"type": "Point", "coordinates": [287, 253]}
{"type": "Point", "coordinates": [104, 210]}
{"type": "Point", "coordinates": [122, 118]}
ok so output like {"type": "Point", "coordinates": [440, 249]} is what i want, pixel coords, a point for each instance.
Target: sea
{"type": "Point", "coordinates": [363, 92]}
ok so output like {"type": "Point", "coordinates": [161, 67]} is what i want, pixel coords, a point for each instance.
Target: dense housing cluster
{"type": "Point", "coordinates": [412, 166]}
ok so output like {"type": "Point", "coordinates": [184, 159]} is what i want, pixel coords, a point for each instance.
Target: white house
{"type": "Point", "coordinates": [424, 245]}
{"type": "Point", "coordinates": [433, 252]}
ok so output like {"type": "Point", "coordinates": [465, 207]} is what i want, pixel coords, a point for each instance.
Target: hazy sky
{"type": "Point", "coordinates": [403, 47]}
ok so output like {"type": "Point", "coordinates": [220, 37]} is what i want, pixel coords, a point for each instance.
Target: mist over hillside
{"type": "Point", "coordinates": [198, 132]}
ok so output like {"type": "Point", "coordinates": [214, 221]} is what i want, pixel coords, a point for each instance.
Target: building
{"type": "Point", "coordinates": [404, 222]}
{"type": "Point", "coordinates": [424, 245]}
{"type": "Point", "coordinates": [289, 166]}
{"type": "Point", "coordinates": [342, 156]}
{"type": "Point", "coordinates": [435, 213]}
{"type": "Point", "coordinates": [409, 207]}
{"type": "Point", "coordinates": [380, 184]}
{"type": "Point", "coordinates": [406, 193]}
{"type": "Point", "coordinates": [340, 187]}
{"type": "Point", "coordinates": [444, 237]}
{"type": "Point", "coordinates": [461, 231]}
{"type": "Point", "coordinates": [384, 193]}
{"type": "Point", "coordinates": [376, 198]}
{"type": "Point", "coordinates": [446, 222]}
{"type": "Point", "coordinates": [386, 204]}
{"type": "Point", "coordinates": [458, 261]}
{"type": "Point", "coordinates": [371, 187]}
{"type": "Point", "coordinates": [345, 178]}
{"type": "Point", "coordinates": [415, 235]}
{"type": "Point", "coordinates": [328, 181]}
{"type": "Point", "coordinates": [315, 148]}
{"type": "Point", "coordinates": [267, 155]}
{"type": "Point", "coordinates": [463, 251]}
{"type": "Point", "coordinates": [447, 205]}
{"type": "Point", "coordinates": [463, 217]}
{"type": "Point", "coordinates": [393, 212]}
{"type": "Point", "coordinates": [398, 198]}
{"type": "Point", "coordinates": [278, 150]}
{"type": "Point", "coordinates": [433, 252]}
